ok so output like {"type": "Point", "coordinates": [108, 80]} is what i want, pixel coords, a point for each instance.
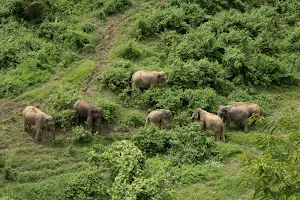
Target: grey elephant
{"type": "Point", "coordinates": [148, 79]}
{"type": "Point", "coordinates": [160, 117]}
{"type": "Point", "coordinates": [251, 107]}
{"type": "Point", "coordinates": [210, 121]}
{"type": "Point", "coordinates": [238, 112]}
{"type": "Point", "coordinates": [89, 111]}
{"type": "Point", "coordinates": [42, 122]}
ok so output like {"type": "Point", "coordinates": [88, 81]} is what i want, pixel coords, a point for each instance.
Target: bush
{"type": "Point", "coordinates": [183, 144]}
{"type": "Point", "coordinates": [110, 109]}
{"type": "Point", "coordinates": [160, 20]}
{"type": "Point", "coordinates": [30, 10]}
{"type": "Point", "coordinates": [152, 141]}
{"type": "Point", "coordinates": [81, 135]}
{"type": "Point", "coordinates": [130, 50]}
{"type": "Point", "coordinates": [197, 74]}
{"type": "Point", "coordinates": [116, 79]}
{"type": "Point", "coordinates": [189, 146]}
{"type": "Point", "coordinates": [114, 6]}
{"type": "Point", "coordinates": [132, 120]}
{"type": "Point", "coordinates": [86, 185]}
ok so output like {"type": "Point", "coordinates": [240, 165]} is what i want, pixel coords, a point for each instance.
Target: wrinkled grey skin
{"type": "Point", "coordinates": [148, 79]}
{"type": "Point", "coordinates": [90, 112]}
{"type": "Point", "coordinates": [251, 107]}
{"type": "Point", "coordinates": [160, 117]}
{"type": "Point", "coordinates": [210, 121]}
{"type": "Point", "coordinates": [238, 112]}
{"type": "Point", "coordinates": [42, 122]}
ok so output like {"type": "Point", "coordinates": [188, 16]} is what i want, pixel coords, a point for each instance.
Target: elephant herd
{"type": "Point", "coordinates": [237, 112]}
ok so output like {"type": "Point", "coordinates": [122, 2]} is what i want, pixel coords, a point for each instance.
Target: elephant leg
{"type": "Point", "coordinates": [218, 136]}
{"type": "Point", "coordinates": [38, 133]}
{"type": "Point", "coordinates": [227, 123]}
{"type": "Point", "coordinates": [53, 135]}
{"type": "Point", "coordinates": [153, 83]}
{"type": "Point", "coordinates": [29, 127]}
{"type": "Point", "coordinates": [202, 125]}
{"type": "Point", "coordinates": [77, 117]}
{"type": "Point", "coordinates": [89, 123]}
{"type": "Point", "coordinates": [223, 137]}
{"type": "Point", "coordinates": [246, 125]}
{"type": "Point", "coordinates": [93, 126]}
{"type": "Point", "coordinates": [25, 126]}
{"type": "Point", "coordinates": [43, 134]}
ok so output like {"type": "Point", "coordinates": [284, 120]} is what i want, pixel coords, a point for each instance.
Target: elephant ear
{"type": "Point", "coordinates": [161, 75]}
{"type": "Point", "coordinates": [168, 113]}
{"type": "Point", "coordinates": [196, 115]}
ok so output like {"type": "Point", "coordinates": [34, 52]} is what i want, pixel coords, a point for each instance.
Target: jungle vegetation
{"type": "Point", "coordinates": [54, 52]}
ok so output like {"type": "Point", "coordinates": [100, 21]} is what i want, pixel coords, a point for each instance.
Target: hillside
{"type": "Point", "coordinates": [213, 52]}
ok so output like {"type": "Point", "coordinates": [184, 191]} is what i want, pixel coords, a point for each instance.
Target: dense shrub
{"type": "Point", "coordinates": [116, 79]}
{"type": "Point", "coordinates": [85, 185]}
{"type": "Point", "coordinates": [113, 6]}
{"type": "Point", "coordinates": [189, 146]}
{"type": "Point", "coordinates": [152, 141]}
{"type": "Point", "coordinates": [110, 110]}
{"type": "Point", "coordinates": [126, 165]}
{"type": "Point", "coordinates": [61, 106]}
{"type": "Point", "coordinates": [280, 159]}
{"type": "Point", "coordinates": [130, 50]}
{"type": "Point", "coordinates": [197, 74]}
{"type": "Point", "coordinates": [132, 120]}
{"type": "Point", "coordinates": [157, 21]}
{"type": "Point", "coordinates": [30, 10]}
{"type": "Point", "coordinates": [183, 144]}
{"type": "Point", "coordinates": [81, 135]}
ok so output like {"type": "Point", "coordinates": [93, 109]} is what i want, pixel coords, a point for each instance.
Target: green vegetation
{"type": "Point", "coordinates": [214, 52]}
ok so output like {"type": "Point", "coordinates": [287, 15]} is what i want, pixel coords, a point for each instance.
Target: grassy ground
{"type": "Point", "coordinates": [29, 170]}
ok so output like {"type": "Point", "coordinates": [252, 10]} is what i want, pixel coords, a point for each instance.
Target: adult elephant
{"type": "Point", "coordinates": [210, 121]}
{"type": "Point", "coordinates": [239, 112]}
{"type": "Point", "coordinates": [251, 107]}
{"type": "Point", "coordinates": [160, 117]}
{"type": "Point", "coordinates": [148, 79]}
{"type": "Point", "coordinates": [90, 112]}
{"type": "Point", "coordinates": [42, 122]}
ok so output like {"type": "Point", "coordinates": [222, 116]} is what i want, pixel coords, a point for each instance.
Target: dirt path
{"type": "Point", "coordinates": [110, 36]}
{"type": "Point", "coordinates": [101, 55]}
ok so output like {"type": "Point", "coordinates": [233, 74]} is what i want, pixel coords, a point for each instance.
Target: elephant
{"type": "Point", "coordinates": [238, 112]}
{"type": "Point", "coordinates": [148, 79]}
{"type": "Point", "coordinates": [210, 121]}
{"type": "Point", "coordinates": [42, 122]}
{"type": "Point", "coordinates": [251, 107]}
{"type": "Point", "coordinates": [160, 117]}
{"type": "Point", "coordinates": [90, 112]}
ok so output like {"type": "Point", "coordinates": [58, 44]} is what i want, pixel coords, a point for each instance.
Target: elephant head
{"type": "Point", "coordinates": [94, 114]}
{"type": "Point", "coordinates": [161, 78]}
{"type": "Point", "coordinates": [223, 112]}
{"type": "Point", "coordinates": [196, 115]}
{"type": "Point", "coordinates": [49, 123]}
{"type": "Point", "coordinates": [167, 118]}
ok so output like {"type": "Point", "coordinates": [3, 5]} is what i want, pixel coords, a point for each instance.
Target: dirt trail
{"type": "Point", "coordinates": [101, 55]}
{"type": "Point", "coordinates": [110, 36]}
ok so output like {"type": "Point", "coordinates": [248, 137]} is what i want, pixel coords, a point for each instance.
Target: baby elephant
{"type": "Point", "coordinates": [90, 112]}
{"type": "Point", "coordinates": [160, 117]}
{"type": "Point", "coordinates": [210, 121]}
{"type": "Point", "coordinates": [147, 79]}
{"type": "Point", "coordinates": [41, 121]}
